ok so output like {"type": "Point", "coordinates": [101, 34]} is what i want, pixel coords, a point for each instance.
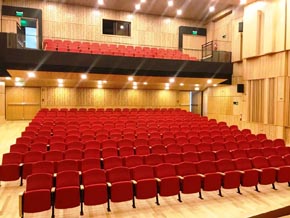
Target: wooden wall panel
{"type": "Point", "coordinates": [196, 103]}
{"type": "Point", "coordinates": [89, 97]}
{"type": "Point", "coordinates": [2, 101]}
{"type": "Point", "coordinates": [83, 23]}
{"type": "Point", "coordinates": [288, 26]}
{"type": "Point", "coordinates": [9, 24]}
{"type": "Point", "coordinates": [237, 40]}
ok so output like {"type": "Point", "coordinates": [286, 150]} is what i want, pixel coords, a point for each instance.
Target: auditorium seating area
{"type": "Point", "coordinates": [83, 157]}
{"type": "Point", "coordinates": [113, 49]}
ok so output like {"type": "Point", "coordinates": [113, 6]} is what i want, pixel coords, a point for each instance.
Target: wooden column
{"type": "Point", "coordinates": [2, 102]}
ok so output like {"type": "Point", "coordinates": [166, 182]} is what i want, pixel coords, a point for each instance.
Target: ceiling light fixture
{"type": "Point", "coordinates": [181, 84]}
{"type": "Point", "coordinates": [209, 81]}
{"type": "Point", "coordinates": [215, 85]}
{"type": "Point", "coordinates": [135, 83]}
{"type": "Point", "coordinates": [179, 12]}
{"type": "Point", "coordinates": [138, 7]}
{"type": "Point", "coordinates": [145, 83]}
{"type": "Point", "coordinates": [100, 86]}
{"type": "Point", "coordinates": [135, 87]}
{"type": "Point", "coordinates": [121, 27]}
{"type": "Point", "coordinates": [84, 76]}
{"type": "Point", "coordinates": [143, 1]}
{"type": "Point", "coordinates": [243, 2]}
{"type": "Point", "coordinates": [166, 88]}
{"type": "Point", "coordinates": [100, 2]}
{"type": "Point", "coordinates": [170, 3]}
{"type": "Point", "coordinates": [104, 81]}
{"type": "Point", "coordinates": [196, 89]}
{"type": "Point", "coordinates": [171, 80]}
{"type": "Point", "coordinates": [60, 85]}
{"type": "Point", "coordinates": [130, 78]}
{"type": "Point", "coordinates": [31, 74]}
{"type": "Point", "coordinates": [167, 84]}
{"type": "Point", "coordinates": [60, 80]}
{"type": "Point", "coordinates": [130, 16]}
{"type": "Point", "coordinates": [211, 9]}
{"type": "Point", "coordinates": [8, 78]}
{"type": "Point", "coordinates": [196, 85]}
{"type": "Point", "coordinates": [17, 79]}
{"type": "Point", "coordinates": [18, 83]}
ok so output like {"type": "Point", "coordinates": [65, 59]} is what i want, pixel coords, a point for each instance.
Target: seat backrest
{"type": "Point", "coordinates": [74, 154]}
{"type": "Point", "coordinates": [223, 154]}
{"type": "Point", "coordinates": [207, 155]}
{"type": "Point", "coordinates": [142, 172]}
{"type": "Point", "coordinates": [32, 156]}
{"type": "Point", "coordinates": [67, 178]}
{"type": "Point", "coordinates": [53, 155]}
{"type": "Point", "coordinates": [164, 170]}
{"type": "Point", "coordinates": [172, 158]}
{"type": "Point", "coordinates": [243, 164]}
{"type": "Point", "coordinates": [206, 166]}
{"type": "Point", "coordinates": [118, 174]}
{"type": "Point", "coordinates": [90, 163]}
{"type": "Point", "coordinates": [153, 159]}
{"type": "Point", "coordinates": [190, 157]}
{"type": "Point", "coordinates": [276, 161]}
{"type": "Point", "coordinates": [133, 161]}
{"type": "Point", "coordinates": [225, 165]}
{"type": "Point", "coordinates": [186, 168]}
{"type": "Point", "coordinates": [39, 181]}
{"type": "Point", "coordinates": [125, 143]}
{"type": "Point", "coordinates": [94, 176]}
{"type": "Point", "coordinates": [260, 162]}
{"type": "Point", "coordinates": [112, 162]}
{"type": "Point", "coordinates": [65, 165]}
{"type": "Point", "coordinates": [43, 167]}
{"type": "Point", "coordinates": [12, 158]}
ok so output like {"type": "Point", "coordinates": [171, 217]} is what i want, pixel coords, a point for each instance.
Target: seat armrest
{"type": "Point", "coordinates": [158, 180]}
{"type": "Point", "coordinates": [20, 201]}
{"type": "Point", "coordinates": [109, 184]}
{"type": "Point", "coordinates": [134, 182]}
{"type": "Point", "coordinates": [201, 175]}
{"type": "Point", "coordinates": [82, 187]}
{"type": "Point", "coordinates": [180, 177]}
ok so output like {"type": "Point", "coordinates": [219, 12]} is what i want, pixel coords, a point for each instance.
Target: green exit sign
{"type": "Point", "coordinates": [194, 32]}
{"type": "Point", "coordinates": [19, 13]}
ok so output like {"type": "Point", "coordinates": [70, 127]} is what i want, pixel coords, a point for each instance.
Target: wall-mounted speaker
{"type": "Point", "coordinates": [241, 27]}
{"type": "Point", "coordinates": [240, 88]}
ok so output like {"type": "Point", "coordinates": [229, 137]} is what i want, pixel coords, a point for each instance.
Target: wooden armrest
{"type": "Point", "coordinates": [55, 174]}
{"type": "Point", "coordinates": [52, 189]}
{"type": "Point", "coordinates": [109, 184]}
{"type": "Point", "coordinates": [158, 180]}
{"type": "Point", "coordinates": [134, 182]}
{"type": "Point", "coordinates": [82, 187]}
{"type": "Point", "coordinates": [21, 164]}
{"type": "Point", "coordinates": [20, 199]}
{"type": "Point", "coordinates": [221, 173]}
{"type": "Point", "coordinates": [180, 177]}
{"type": "Point", "coordinates": [203, 176]}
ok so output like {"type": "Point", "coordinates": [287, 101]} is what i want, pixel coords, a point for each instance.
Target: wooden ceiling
{"type": "Point", "coordinates": [197, 10]}
{"type": "Point", "coordinates": [73, 80]}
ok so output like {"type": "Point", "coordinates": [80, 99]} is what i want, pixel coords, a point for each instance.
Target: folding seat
{"type": "Point", "coordinates": [181, 140]}
{"type": "Point", "coordinates": [189, 147]}
{"type": "Point", "coordinates": [246, 132]}
{"type": "Point", "coordinates": [38, 187]}
{"type": "Point", "coordinates": [192, 134]}
{"type": "Point", "coordinates": [255, 144]}
{"type": "Point", "coordinates": [231, 177]}
{"type": "Point", "coordinates": [129, 136]}
{"type": "Point", "coordinates": [167, 134]}
{"type": "Point", "coordinates": [282, 170]}
{"type": "Point", "coordinates": [174, 148]}
{"type": "Point", "coordinates": [286, 158]}
{"type": "Point", "coordinates": [261, 136]}
{"type": "Point", "coordinates": [218, 138]}
{"type": "Point", "coordinates": [204, 133]}
{"type": "Point", "coordinates": [42, 147]}
{"type": "Point", "coordinates": [90, 163]}
{"type": "Point", "coordinates": [109, 152]}
{"type": "Point", "coordinates": [92, 144]}
{"type": "Point", "coordinates": [190, 180]}
{"type": "Point", "coordinates": [195, 140]}
{"type": "Point", "coordinates": [172, 158]}
{"type": "Point", "coordinates": [239, 153]}
{"type": "Point", "coordinates": [112, 162]}
{"type": "Point", "coordinates": [229, 138]}
{"type": "Point", "coordinates": [67, 191]}
{"type": "Point", "coordinates": [250, 176]}
{"type": "Point", "coordinates": [154, 141]}
{"type": "Point", "coordinates": [53, 156]}
{"type": "Point", "coordinates": [43, 167]}
{"type": "Point", "coordinates": [91, 153]}
{"type": "Point", "coordinates": [109, 143]}
{"type": "Point", "coordinates": [125, 143]}
{"type": "Point", "coordinates": [67, 165]}
{"type": "Point", "coordinates": [126, 151]}
{"type": "Point", "coordinates": [211, 179]}
{"type": "Point", "coordinates": [158, 149]}
{"type": "Point", "coordinates": [168, 182]}
{"type": "Point", "coordinates": [59, 132]}
{"type": "Point", "coordinates": [206, 139]}
{"type": "Point", "coordinates": [231, 146]}
{"type": "Point", "coordinates": [168, 140]}
{"type": "Point", "coordinates": [180, 134]}
{"type": "Point", "coordinates": [267, 174]}
{"type": "Point", "coordinates": [267, 152]}
{"type": "Point", "coordinates": [223, 154]}
{"type": "Point", "coordinates": [217, 146]}
{"type": "Point", "coordinates": [240, 137]}
{"type": "Point", "coordinates": [73, 154]}
{"type": "Point", "coordinates": [282, 151]}
{"type": "Point", "coordinates": [28, 159]}
{"type": "Point", "coordinates": [254, 152]}
{"type": "Point", "coordinates": [19, 148]}
{"type": "Point", "coordinates": [133, 161]}
{"type": "Point", "coordinates": [279, 143]}
{"type": "Point", "coordinates": [243, 144]}
{"type": "Point", "coordinates": [29, 134]}
{"type": "Point", "coordinates": [72, 138]}
{"type": "Point", "coordinates": [55, 139]}
{"type": "Point", "coordinates": [267, 143]}
{"type": "Point", "coordinates": [58, 146]}
{"type": "Point", "coordinates": [10, 169]}
{"type": "Point", "coordinates": [207, 155]}
{"type": "Point", "coordinates": [75, 145]}
{"type": "Point", "coordinates": [141, 135]}
{"type": "Point", "coordinates": [190, 157]}
{"type": "Point", "coordinates": [153, 159]}
{"type": "Point", "coordinates": [203, 147]}
{"type": "Point", "coordinates": [141, 142]}
{"type": "Point", "coordinates": [154, 135]}
{"type": "Point", "coordinates": [94, 187]}
{"type": "Point", "coordinates": [86, 138]}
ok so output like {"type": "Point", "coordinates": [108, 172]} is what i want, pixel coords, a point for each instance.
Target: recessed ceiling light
{"type": "Point", "coordinates": [179, 12]}
{"type": "Point", "coordinates": [60, 85]}
{"type": "Point", "coordinates": [171, 80]}
{"type": "Point", "coordinates": [2, 83]}
{"type": "Point", "coordinates": [18, 83]}
{"type": "Point", "coordinates": [100, 82]}
{"type": "Point", "coordinates": [196, 88]}
{"type": "Point", "coordinates": [138, 6]}
{"type": "Point", "coordinates": [196, 85]}
{"type": "Point", "coordinates": [60, 80]}
{"type": "Point", "coordinates": [130, 78]}
{"type": "Point", "coordinates": [243, 2]}
{"type": "Point", "coordinates": [166, 88]}
{"type": "Point", "coordinates": [215, 85]}
{"type": "Point", "coordinates": [209, 81]}
{"type": "Point", "coordinates": [8, 78]}
{"type": "Point", "coordinates": [181, 84]}
{"type": "Point", "coordinates": [167, 84]}
{"type": "Point", "coordinates": [104, 81]}
{"type": "Point", "coordinates": [145, 83]}
{"type": "Point", "coordinates": [17, 79]}
{"type": "Point", "coordinates": [135, 87]}
{"type": "Point", "coordinates": [100, 2]}
{"type": "Point", "coordinates": [170, 3]}
{"type": "Point", "coordinates": [211, 9]}
{"type": "Point", "coordinates": [84, 76]}
{"type": "Point", "coordinates": [143, 1]}
{"type": "Point", "coordinates": [100, 86]}
{"type": "Point", "coordinates": [31, 74]}
{"type": "Point", "coordinates": [135, 83]}
{"type": "Point", "coordinates": [122, 27]}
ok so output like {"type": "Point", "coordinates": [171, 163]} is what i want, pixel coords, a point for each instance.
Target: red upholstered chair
{"type": "Point", "coordinates": [73, 154]}
{"type": "Point", "coordinates": [207, 155]}
{"type": "Point", "coordinates": [267, 152]}
{"type": "Point", "coordinates": [212, 180]}
{"type": "Point", "coordinates": [67, 165]}
{"type": "Point", "coordinates": [125, 143]}
{"type": "Point", "coordinates": [223, 154]}
{"type": "Point", "coordinates": [153, 159]}
{"type": "Point", "coordinates": [173, 148]}
{"type": "Point", "coordinates": [37, 196]}
{"type": "Point", "coordinates": [172, 158]}
{"type": "Point", "coordinates": [109, 152]}
{"type": "Point", "coordinates": [142, 150]}
{"type": "Point", "coordinates": [267, 174]}
{"type": "Point", "coordinates": [203, 147]}
{"type": "Point", "coordinates": [133, 161]}
{"type": "Point", "coordinates": [91, 153]}
{"type": "Point", "coordinates": [10, 170]}
{"type": "Point", "coordinates": [28, 159]}
{"type": "Point", "coordinates": [217, 146]}
{"type": "Point", "coordinates": [120, 185]}
{"type": "Point", "coordinates": [90, 163]}
{"type": "Point", "coordinates": [158, 149]}
{"type": "Point", "coordinates": [279, 143]}
{"type": "Point", "coordinates": [230, 145]}
{"type": "Point", "coordinates": [145, 184]}
{"type": "Point", "coordinates": [38, 146]}
{"type": "Point", "coordinates": [231, 177]}
{"type": "Point", "coordinates": [67, 191]}
{"type": "Point", "coordinates": [250, 176]}
{"type": "Point", "coordinates": [126, 151]}
{"type": "Point", "coordinates": [58, 146]}
{"type": "Point", "coordinates": [267, 143]}
{"type": "Point", "coordinates": [190, 157]}
{"type": "Point", "coordinates": [239, 153]}
{"type": "Point", "coordinates": [43, 167]}
{"type": "Point", "coordinates": [75, 145]}
{"type": "Point", "coordinates": [109, 143]}
{"type": "Point", "coordinates": [254, 152]}
{"type": "Point", "coordinates": [168, 182]}
{"type": "Point", "coordinates": [168, 140]}
{"type": "Point", "coordinates": [94, 187]}
{"type": "Point", "coordinates": [189, 147]}
{"type": "Point", "coordinates": [282, 151]}
{"type": "Point", "coordinates": [282, 170]}
{"type": "Point", "coordinates": [92, 144]}
{"type": "Point", "coordinates": [112, 162]}
{"type": "Point", "coordinates": [19, 148]}
{"type": "Point", "coordinates": [190, 180]}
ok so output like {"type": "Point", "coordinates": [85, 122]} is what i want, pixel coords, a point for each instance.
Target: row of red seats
{"type": "Point", "coordinates": [113, 49]}
{"type": "Point", "coordinates": [144, 182]}
{"type": "Point", "coordinates": [17, 165]}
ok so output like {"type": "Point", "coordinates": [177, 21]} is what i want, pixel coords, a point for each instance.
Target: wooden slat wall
{"type": "Point", "coordinates": [89, 97]}
{"type": "Point", "coordinates": [9, 24]}
{"type": "Point", "coordinates": [288, 27]}
{"type": "Point", "coordinates": [2, 102]}
{"type": "Point", "coordinates": [83, 23]}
